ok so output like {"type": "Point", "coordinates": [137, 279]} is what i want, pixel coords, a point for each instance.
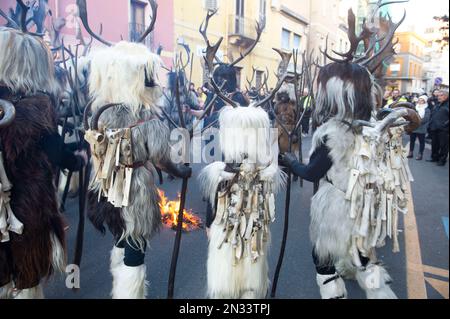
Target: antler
{"type": "Point", "coordinates": [10, 21]}
{"type": "Point", "coordinates": [365, 35]}
{"type": "Point", "coordinates": [183, 65]}
{"type": "Point", "coordinates": [387, 49]}
{"type": "Point", "coordinates": [260, 26]}
{"type": "Point", "coordinates": [82, 9]}
{"type": "Point", "coordinates": [283, 70]}
{"type": "Point", "coordinates": [263, 82]}
{"type": "Point", "coordinates": [23, 15]}
{"type": "Point", "coordinates": [368, 35]}
{"type": "Point", "coordinates": [151, 27]}
{"type": "Point", "coordinates": [204, 26]}
{"type": "Point", "coordinates": [210, 55]}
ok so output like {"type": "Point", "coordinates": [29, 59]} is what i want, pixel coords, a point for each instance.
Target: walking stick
{"type": "Point", "coordinates": [184, 187]}
{"type": "Point", "coordinates": [289, 173]}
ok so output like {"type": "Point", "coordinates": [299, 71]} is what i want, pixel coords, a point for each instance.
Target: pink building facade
{"type": "Point", "coordinates": [119, 19]}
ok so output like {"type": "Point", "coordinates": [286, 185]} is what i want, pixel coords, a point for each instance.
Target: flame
{"type": "Point", "coordinates": [169, 214]}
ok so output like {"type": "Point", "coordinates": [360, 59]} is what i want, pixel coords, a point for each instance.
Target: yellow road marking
{"type": "Point", "coordinates": [440, 286]}
{"type": "Point", "coordinates": [436, 271]}
{"type": "Point", "coordinates": [415, 278]}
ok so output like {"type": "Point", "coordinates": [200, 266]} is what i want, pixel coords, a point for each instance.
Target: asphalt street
{"type": "Point", "coordinates": [297, 280]}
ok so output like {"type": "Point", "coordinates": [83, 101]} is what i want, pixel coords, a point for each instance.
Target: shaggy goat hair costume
{"type": "Point", "coordinates": [242, 191]}
{"type": "Point", "coordinates": [31, 252]}
{"type": "Point", "coordinates": [360, 196]}
{"type": "Point", "coordinates": [132, 141]}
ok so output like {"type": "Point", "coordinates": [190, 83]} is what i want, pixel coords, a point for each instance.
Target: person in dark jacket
{"type": "Point", "coordinates": [433, 99]}
{"type": "Point", "coordinates": [439, 130]}
{"type": "Point", "coordinates": [425, 114]}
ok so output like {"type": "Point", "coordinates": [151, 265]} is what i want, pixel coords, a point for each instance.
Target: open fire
{"type": "Point", "coordinates": [169, 214]}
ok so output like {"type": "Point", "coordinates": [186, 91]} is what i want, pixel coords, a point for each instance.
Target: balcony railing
{"type": "Point", "coordinates": [136, 30]}
{"type": "Point", "coordinates": [242, 30]}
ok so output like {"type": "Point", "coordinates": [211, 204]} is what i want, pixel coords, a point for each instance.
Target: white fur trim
{"type": "Point", "coordinates": [58, 254]}
{"type": "Point", "coordinates": [117, 75]}
{"type": "Point", "coordinates": [332, 289]}
{"type": "Point", "coordinates": [245, 132]}
{"type": "Point", "coordinates": [374, 280]}
{"type": "Point", "coordinates": [129, 282]}
{"type": "Point", "coordinates": [225, 281]}
{"type": "Point", "coordinates": [210, 178]}
{"type": "Point", "coordinates": [6, 291]}
{"type": "Point", "coordinates": [31, 293]}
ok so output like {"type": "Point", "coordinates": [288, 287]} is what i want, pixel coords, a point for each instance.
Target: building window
{"type": "Point", "coordinates": [238, 76]}
{"type": "Point", "coordinates": [297, 41]}
{"type": "Point", "coordinates": [239, 17]}
{"type": "Point", "coordinates": [211, 4]}
{"type": "Point", "coordinates": [262, 9]}
{"type": "Point", "coordinates": [240, 8]}
{"type": "Point", "coordinates": [286, 40]}
{"type": "Point", "coordinates": [259, 77]}
{"type": "Point", "coordinates": [137, 23]}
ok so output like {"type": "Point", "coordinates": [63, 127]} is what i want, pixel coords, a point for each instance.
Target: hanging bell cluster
{"type": "Point", "coordinates": [245, 208]}
{"type": "Point", "coordinates": [377, 189]}
{"type": "Point", "coordinates": [112, 155]}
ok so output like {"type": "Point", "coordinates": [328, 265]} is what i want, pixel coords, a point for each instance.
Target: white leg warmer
{"type": "Point", "coordinates": [374, 280]}
{"type": "Point", "coordinates": [246, 280]}
{"type": "Point", "coordinates": [331, 286]}
{"type": "Point", "coordinates": [128, 282]}
{"type": "Point", "coordinates": [31, 293]}
{"type": "Point", "coordinates": [5, 291]}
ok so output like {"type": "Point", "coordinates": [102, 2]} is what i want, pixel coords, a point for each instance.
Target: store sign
{"type": "Point", "coordinates": [395, 67]}
{"type": "Point", "coordinates": [438, 81]}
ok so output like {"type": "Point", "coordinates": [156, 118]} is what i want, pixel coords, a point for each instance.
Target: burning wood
{"type": "Point", "coordinates": [169, 214]}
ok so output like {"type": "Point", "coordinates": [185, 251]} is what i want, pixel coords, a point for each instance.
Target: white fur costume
{"type": "Point", "coordinates": [357, 204]}
{"type": "Point", "coordinates": [118, 75]}
{"type": "Point", "coordinates": [240, 235]}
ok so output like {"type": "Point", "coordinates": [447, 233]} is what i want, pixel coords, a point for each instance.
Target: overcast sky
{"type": "Point", "coordinates": [420, 13]}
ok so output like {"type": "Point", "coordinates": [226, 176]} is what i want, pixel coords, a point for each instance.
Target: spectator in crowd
{"type": "Point", "coordinates": [386, 97]}
{"type": "Point", "coordinates": [306, 107]}
{"type": "Point", "coordinates": [192, 89]}
{"type": "Point", "coordinates": [433, 100]}
{"type": "Point", "coordinates": [253, 94]}
{"type": "Point", "coordinates": [202, 95]}
{"type": "Point", "coordinates": [394, 98]}
{"type": "Point", "coordinates": [425, 115]}
{"type": "Point", "coordinates": [439, 130]}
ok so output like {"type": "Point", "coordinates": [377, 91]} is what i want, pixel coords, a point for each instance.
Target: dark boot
{"type": "Point", "coordinates": [410, 155]}
{"type": "Point", "coordinates": [441, 163]}
{"type": "Point", "coordinates": [419, 157]}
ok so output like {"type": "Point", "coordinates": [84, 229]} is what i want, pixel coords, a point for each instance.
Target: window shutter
{"type": "Point", "coordinates": [211, 4]}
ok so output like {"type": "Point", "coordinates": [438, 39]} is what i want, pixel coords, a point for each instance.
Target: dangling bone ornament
{"type": "Point", "coordinates": [113, 159]}
{"type": "Point", "coordinates": [8, 221]}
{"type": "Point", "coordinates": [378, 183]}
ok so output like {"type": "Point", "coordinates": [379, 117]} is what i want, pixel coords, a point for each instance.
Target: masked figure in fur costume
{"type": "Point", "coordinates": [242, 192]}
{"type": "Point", "coordinates": [127, 141]}
{"type": "Point", "coordinates": [31, 229]}
{"type": "Point", "coordinates": [286, 111]}
{"type": "Point", "coordinates": [359, 160]}
{"type": "Point", "coordinates": [241, 189]}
